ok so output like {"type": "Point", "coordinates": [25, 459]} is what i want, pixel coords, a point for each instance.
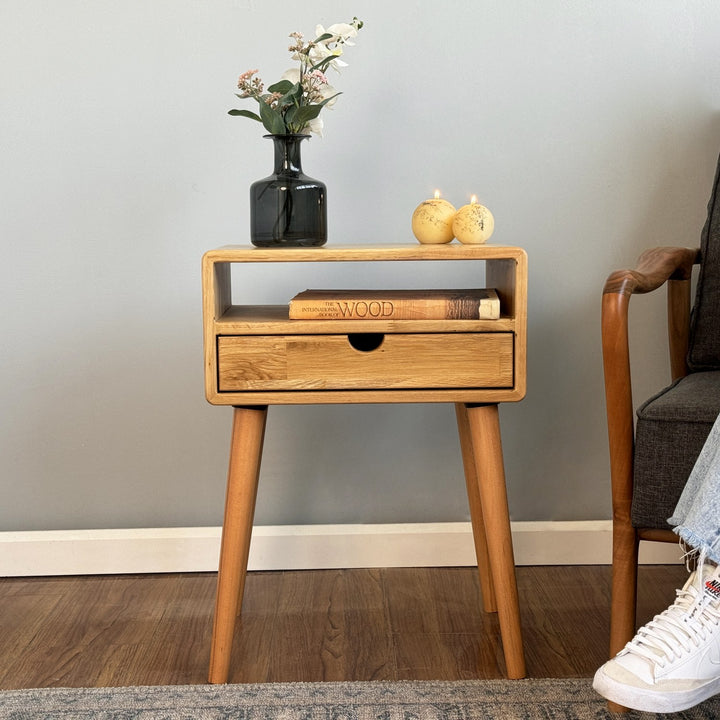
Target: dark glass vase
{"type": "Point", "coordinates": [288, 209]}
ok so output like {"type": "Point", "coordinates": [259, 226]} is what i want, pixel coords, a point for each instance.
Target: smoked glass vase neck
{"type": "Point", "coordinates": [287, 152]}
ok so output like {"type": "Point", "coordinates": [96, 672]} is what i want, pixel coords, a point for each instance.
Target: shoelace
{"type": "Point", "coordinates": [677, 630]}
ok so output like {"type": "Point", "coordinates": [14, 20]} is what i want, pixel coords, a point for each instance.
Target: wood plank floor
{"type": "Point", "coordinates": [387, 624]}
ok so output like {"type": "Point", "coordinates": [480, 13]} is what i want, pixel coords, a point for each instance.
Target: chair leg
{"type": "Point", "coordinates": [476, 512]}
{"type": "Point", "coordinates": [245, 454]}
{"type": "Point", "coordinates": [623, 603]}
{"type": "Point", "coordinates": [624, 586]}
{"type": "Point", "coordinates": [484, 424]}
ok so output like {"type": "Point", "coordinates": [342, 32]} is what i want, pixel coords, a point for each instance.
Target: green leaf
{"type": "Point", "coordinates": [323, 37]}
{"type": "Point", "coordinates": [322, 66]}
{"type": "Point", "coordinates": [300, 116]}
{"type": "Point", "coordinates": [292, 96]}
{"type": "Point", "coordinates": [307, 113]}
{"type": "Point", "coordinates": [282, 86]}
{"type": "Point", "coordinates": [272, 120]}
{"type": "Point", "coordinates": [245, 113]}
{"type": "Point", "coordinates": [291, 115]}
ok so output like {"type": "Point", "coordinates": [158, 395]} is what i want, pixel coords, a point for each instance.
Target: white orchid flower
{"type": "Point", "coordinates": [315, 126]}
{"type": "Point", "coordinates": [341, 32]}
{"type": "Point", "coordinates": [328, 91]}
{"type": "Point", "coordinates": [293, 75]}
{"type": "Point", "coordinates": [320, 52]}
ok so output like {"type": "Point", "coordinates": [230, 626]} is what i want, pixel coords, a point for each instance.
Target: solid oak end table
{"type": "Point", "coordinates": [255, 356]}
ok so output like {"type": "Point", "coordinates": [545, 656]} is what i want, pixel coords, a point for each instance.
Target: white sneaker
{"type": "Point", "coordinates": [673, 662]}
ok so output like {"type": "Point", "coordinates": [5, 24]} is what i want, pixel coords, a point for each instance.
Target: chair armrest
{"type": "Point", "coordinates": [654, 268]}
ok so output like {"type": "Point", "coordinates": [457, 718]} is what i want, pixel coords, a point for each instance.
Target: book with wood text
{"type": "Point", "coordinates": [475, 304]}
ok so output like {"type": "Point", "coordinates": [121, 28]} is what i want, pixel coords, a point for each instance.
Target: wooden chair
{"type": "Point", "coordinates": [650, 463]}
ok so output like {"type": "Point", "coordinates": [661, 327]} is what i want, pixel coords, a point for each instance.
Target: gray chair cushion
{"type": "Point", "coordinates": [704, 351]}
{"type": "Point", "coordinates": [671, 429]}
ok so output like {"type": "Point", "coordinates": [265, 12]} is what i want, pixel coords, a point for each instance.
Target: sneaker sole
{"type": "Point", "coordinates": [652, 700]}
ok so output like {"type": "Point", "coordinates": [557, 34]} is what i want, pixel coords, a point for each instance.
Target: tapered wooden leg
{"type": "Point", "coordinates": [484, 424]}
{"type": "Point", "coordinates": [623, 601]}
{"type": "Point", "coordinates": [476, 512]}
{"type": "Point", "coordinates": [245, 454]}
{"type": "Point", "coordinates": [624, 586]}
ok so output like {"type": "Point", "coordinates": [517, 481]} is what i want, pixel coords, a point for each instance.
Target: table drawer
{"type": "Point", "coordinates": [365, 361]}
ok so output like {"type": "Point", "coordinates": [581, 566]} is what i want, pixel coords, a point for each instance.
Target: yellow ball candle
{"type": "Point", "coordinates": [432, 221]}
{"type": "Point", "coordinates": [473, 224]}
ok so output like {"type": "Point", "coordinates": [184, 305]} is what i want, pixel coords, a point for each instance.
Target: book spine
{"type": "Point", "coordinates": [379, 309]}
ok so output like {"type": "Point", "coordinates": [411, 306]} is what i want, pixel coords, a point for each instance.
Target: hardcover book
{"type": "Point", "coordinates": [474, 304]}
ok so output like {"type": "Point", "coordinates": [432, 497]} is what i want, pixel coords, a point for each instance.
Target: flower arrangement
{"type": "Point", "coordinates": [293, 104]}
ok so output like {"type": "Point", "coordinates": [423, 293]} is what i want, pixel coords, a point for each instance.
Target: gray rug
{"type": "Point", "coordinates": [470, 700]}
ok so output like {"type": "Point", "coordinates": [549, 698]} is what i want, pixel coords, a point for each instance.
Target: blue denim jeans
{"type": "Point", "coordinates": [697, 514]}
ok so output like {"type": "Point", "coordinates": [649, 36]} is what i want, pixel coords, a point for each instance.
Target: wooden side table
{"type": "Point", "coordinates": [255, 357]}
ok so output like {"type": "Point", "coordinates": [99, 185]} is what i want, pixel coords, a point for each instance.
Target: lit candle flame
{"type": "Point", "coordinates": [473, 200]}
{"type": "Point", "coordinates": [437, 194]}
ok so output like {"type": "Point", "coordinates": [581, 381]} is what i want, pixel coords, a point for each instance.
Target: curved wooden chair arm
{"type": "Point", "coordinates": [654, 268]}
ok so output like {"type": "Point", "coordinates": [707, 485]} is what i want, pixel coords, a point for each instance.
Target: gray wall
{"type": "Point", "coordinates": [590, 129]}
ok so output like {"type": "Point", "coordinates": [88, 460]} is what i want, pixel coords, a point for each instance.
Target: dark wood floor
{"type": "Point", "coordinates": [307, 626]}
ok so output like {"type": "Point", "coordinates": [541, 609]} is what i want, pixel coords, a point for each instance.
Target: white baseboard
{"type": "Point", "coordinates": [302, 547]}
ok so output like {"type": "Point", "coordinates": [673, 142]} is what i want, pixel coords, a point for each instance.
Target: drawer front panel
{"type": "Point", "coordinates": [392, 361]}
